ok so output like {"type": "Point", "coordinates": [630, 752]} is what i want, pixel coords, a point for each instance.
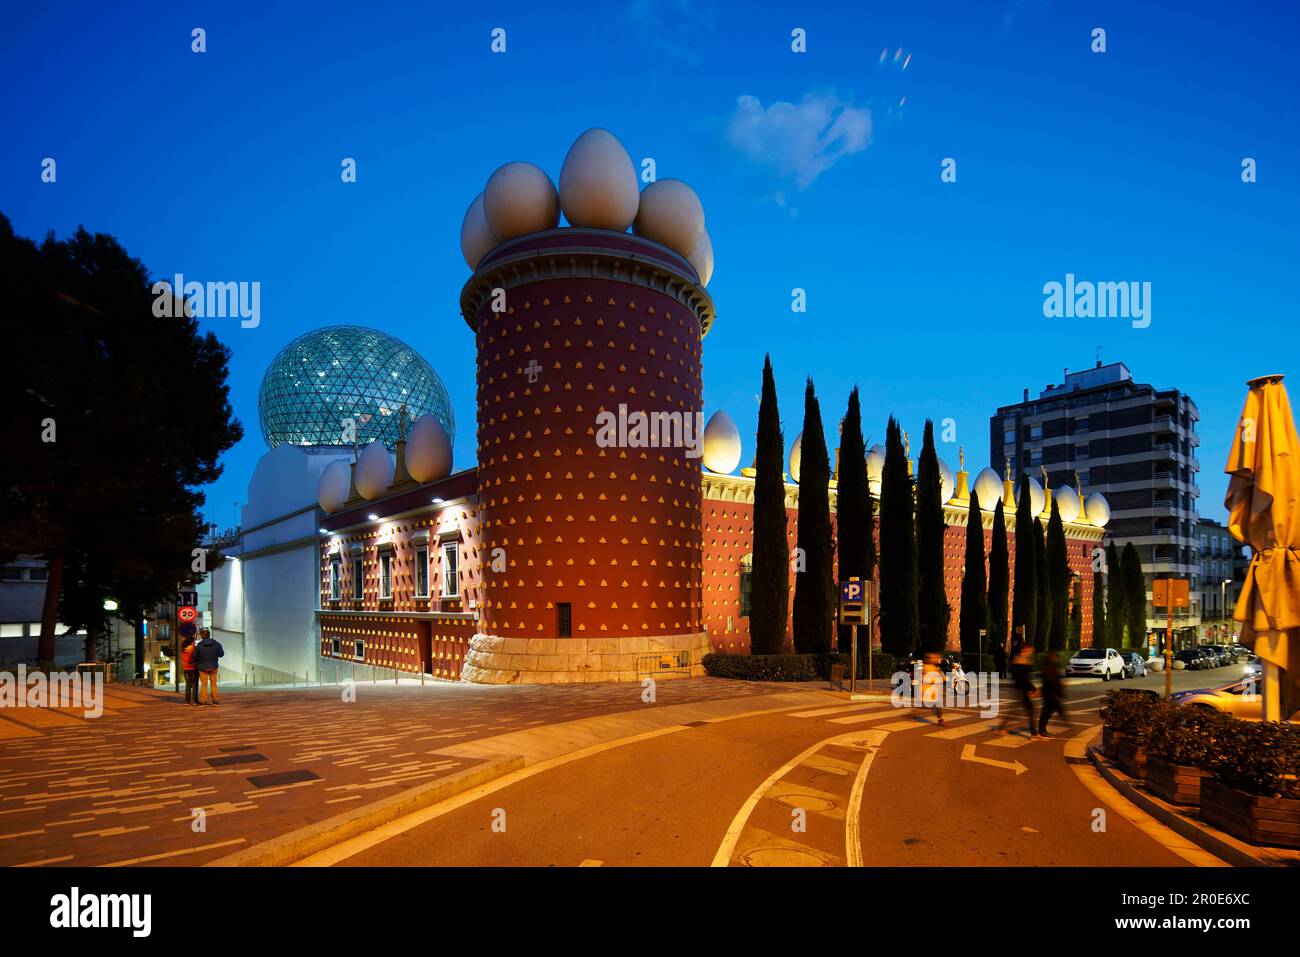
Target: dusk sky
{"type": "Point", "coordinates": [817, 170]}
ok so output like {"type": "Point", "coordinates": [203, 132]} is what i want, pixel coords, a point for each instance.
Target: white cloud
{"type": "Point", "coordinates": [799, 140]}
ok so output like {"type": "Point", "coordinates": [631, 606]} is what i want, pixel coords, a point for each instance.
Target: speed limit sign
{"type": "Point", "coordinates": [187, 613]}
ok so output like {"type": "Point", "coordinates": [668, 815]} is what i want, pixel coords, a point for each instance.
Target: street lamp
{"type": "Point", "coordinates": [110, 604]}
{"type": "Point", "coordinates": [1223, 599]}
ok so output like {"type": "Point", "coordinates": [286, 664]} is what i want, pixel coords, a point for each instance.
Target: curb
{"type": "Point", "coordinates": [1232, 853]}
{"type": "Point", "coordinates": [305, 841]}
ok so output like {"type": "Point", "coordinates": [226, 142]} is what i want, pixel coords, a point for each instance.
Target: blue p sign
{"type": "Point", "coordinates": [851, 591]}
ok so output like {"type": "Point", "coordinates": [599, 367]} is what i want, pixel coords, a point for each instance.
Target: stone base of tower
{"type": "Point", "coordinates": [496, 660]}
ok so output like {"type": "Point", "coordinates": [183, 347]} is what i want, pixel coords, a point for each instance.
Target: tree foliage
{"type": "Point", "coordinates": [769, 578]}
{"type": "Point", "coordinates": [898, 612]}
{"type": "Point", "coordinates": [999, 580]}
{"type": "Point", "coordinates": [1024, 607]}
{"type": "Point", "coordinates": [933, 609]}
{"type": "Point", "coordinates": [974, 615]}
{"type": "Point", "coordinates": [854, 520]}
{"type": "Point", "coordinates": [814, 586]}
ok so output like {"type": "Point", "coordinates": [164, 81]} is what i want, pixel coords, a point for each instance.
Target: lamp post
{"type": "Point", "coordinates": [1223, 601]}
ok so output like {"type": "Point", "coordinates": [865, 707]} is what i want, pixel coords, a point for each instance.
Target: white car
{"type": "Point", "coordinates": [1103, 663]}
{"type": "Point", "coordinates": [1241, 699]}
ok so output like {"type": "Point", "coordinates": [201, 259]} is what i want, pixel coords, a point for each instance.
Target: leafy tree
{"type": "Point", "coordinates": [856, 544]}
{"type": "Point", "coordinates": [770, 573]}
{"type": "Point", "coordinates": [933, 610]}
{"type": "Point", "coordinates": [814, 586]}
{"type": "Point", "coordinates": [1135, 597]}
{"type": "Point", "coordinates": [114, 417]}
{"type": "Point", "coordinates": [974, 614]}
{"type": "Point", "coordinates": [1043, 614]}
{"type": "Point", "coordinates": [898, 612]}
{"type": "Point", "coordinates": [999, 580]}
{"type": "Point", "coordinates": [1024, 605]}
{"type": "Point", "coordinates": [1076, 620]}
{"type": "Point", "coordinates": [1058, 577]}
{"type": "Point", "coordinates": [1116, 616]}
{"type": "Point", "coordinates": [1099, 624]}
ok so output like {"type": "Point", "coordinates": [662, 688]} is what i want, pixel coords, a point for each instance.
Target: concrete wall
{"type": "Point", "coordinates": [280, 597]}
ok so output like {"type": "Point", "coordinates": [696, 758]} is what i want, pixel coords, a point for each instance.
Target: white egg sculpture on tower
{"type": "Point", "coordinates": [520, 199]}
{"type": "Point", "coordinates": [670, 213]}
{"type": "Point", "coordinates": [1067, 503]}
{"type": "Point", "coordinates": [1036, 496]}
{"type": "Point", "coordinates": [1098, 509]}
{"type": "Point", "coordinates": [988, 489]}
{"type": "Point", "coordinates": [333, 488]}
{"type": "Point", "coordinates": [721, 444]}
{"type": "Point", "coordinates": [374, 471]}
{"type": "Point", "coordinates": [875, 468]}
{"type": "Point", "coordinates": [702, 258]}
{"type": "Point", "coordinates": [476, 238]}
{"type": "Point", "coordinates": [796, 457]}
{"type": "Point", "coordinates": [428, 450]}
{"type": "Point", "coordinates": [598, 186]}
{"type": "Point", "coordinates": [947, 483]}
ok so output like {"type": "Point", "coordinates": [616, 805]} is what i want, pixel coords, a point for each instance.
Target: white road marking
{"type": "Point", "coordinates": [966, 730]}
{"type": "Point", "coordinates": [822, 712]}
{"type": "Point", "coordinates": [589, 862]}
{"type": "Point", "coordinates": [968, 754]}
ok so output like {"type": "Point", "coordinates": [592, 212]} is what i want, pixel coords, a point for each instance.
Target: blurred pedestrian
{"type": "Point", "coordinates": [932, 684]}
{"type": "Point", "coordinates": [1053, 693]}
{"type": "Point", "coordinates": [1022, 660]}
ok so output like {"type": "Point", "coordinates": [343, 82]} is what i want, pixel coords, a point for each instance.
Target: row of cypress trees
{"type": "Point", "coordinates": [913, 605]}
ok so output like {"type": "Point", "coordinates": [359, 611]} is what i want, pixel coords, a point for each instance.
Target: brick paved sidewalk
{"type": "Point", "coordinates": [122, 789]}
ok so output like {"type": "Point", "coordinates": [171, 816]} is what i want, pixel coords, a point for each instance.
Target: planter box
{"type": "Point", "coordinates": [1131, 759]}
{"type": "Point", "coordinates": [1249, 817]}
{"type": "Point", "coordinates": [1175, 783]}
{"type": "Point", "coordinates": [1110, 740]}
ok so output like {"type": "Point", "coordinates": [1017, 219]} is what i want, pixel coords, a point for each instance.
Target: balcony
{"type": "Point", "coordinates": [1163, 506]}
{"type": "Point", "coordinates": [1164, 479]}
{"type": "Point", "coordinates": [1163, 423]}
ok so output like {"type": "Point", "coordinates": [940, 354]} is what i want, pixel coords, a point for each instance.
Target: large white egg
{"type": "Point", "coordinates": [1067, 503]}
{"type": "Point", "coordinates": [476, 238]}
{"type": "Point", "coordinates": [702, 258]}
{"type": "Point", "coordinates": [670, 213]}
{"type": "Point", "coordinates": [875, 468]}
{"type": "Point", "coordinates": [947, 482]}
{"type": "Point", "coordinates": [988, 489]}
{"type": "Point", "coordinates": [1098, 509]}
{"type": "Point", "coordinates": [1036, 497]}
{"type": "Point", "coordinates": [374, 470]}
{"type": "Point", "coordinates": [333, 488]}
{"type": "Point", "coordinates": [796, 456]}
{"type": "Point", "coordinates": [721, 444]}
{"type": "Point", "coordinates": [520, 199]}
{"type": "Point", "coordinates": [598, 183]}
{"type": "Point", "coordinates": [428, 450]}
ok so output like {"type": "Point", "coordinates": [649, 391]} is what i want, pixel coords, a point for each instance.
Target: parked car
{"type": "Point", "coordinates": [1103, 663]}
{"type": "Point", "coordinates": [1135, 666]}
{"type": "Point", "coordinates": [1241, 699]}
{"type": "Point", "coordinates": [1191, 658]}
{"type": "Point", "coordinates": [1221, 654]}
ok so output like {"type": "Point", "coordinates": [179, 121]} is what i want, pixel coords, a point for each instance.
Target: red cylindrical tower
{"type": "Point", "coordinates": [592, 549]}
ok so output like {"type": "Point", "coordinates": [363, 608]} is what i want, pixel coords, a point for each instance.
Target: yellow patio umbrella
{"type": "Point", "coordinates": [1263, 503]}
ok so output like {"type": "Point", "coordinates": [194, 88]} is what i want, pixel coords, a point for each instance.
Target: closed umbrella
{"type": "Point", "coordinates": [1263, 505]}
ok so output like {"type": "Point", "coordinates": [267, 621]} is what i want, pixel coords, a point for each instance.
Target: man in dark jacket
{"type": "Point", "coordinates": [1053, 692]}
{"type": "Point", "coordinates": [207, 653]}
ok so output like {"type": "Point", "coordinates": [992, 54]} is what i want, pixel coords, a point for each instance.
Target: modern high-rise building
{"type": "Point", "coordinates": [1131, 441]}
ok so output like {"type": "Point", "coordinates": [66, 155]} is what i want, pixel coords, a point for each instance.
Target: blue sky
{"type": "Point", "coordinates": [818, 170]}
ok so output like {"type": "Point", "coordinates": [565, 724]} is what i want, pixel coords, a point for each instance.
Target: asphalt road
{"type": "Point", "coordinates": [860, 783]}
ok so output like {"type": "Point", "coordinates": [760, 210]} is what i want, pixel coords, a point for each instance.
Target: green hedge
{"type": "Point", "coordinates": [791, 667]}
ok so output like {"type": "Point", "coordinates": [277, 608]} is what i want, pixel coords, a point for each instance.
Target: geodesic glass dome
{"type": "Point", "coordinates": [323, 378]}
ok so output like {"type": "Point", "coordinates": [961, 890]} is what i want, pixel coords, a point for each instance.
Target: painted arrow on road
{"type": "Point", "coordinates": [968, 754]}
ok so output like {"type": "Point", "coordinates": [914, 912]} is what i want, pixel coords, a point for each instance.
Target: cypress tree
{"type": "Point", "coordinates": [898, 622]}
{"type": "Point", "coordinates": [999, 580]}
{"type": "Point", "coordinates": [1076, 620]}
{"type": "Point", "coordinates": [1024, 604]}
{"type": "Point", "coordinates": [1099, 637]}
{"type": "Point", "coordinates": [1135, 597]}
{"type": "Point", "coordinates": [1043, 590]}
{"type": "Point", "coordinates": [1058, 576]}
{"type": "Point", "coordinates": [933, 610]}
{"type": "Point", "coordinates": [974, 614]}
{"type": "Point", "coordinates": [814, 586]}
{"type": "Point", "coordinates": [770, 573]}
{"type": "Point", "coordinates": [1115, 615]}
{"type": "Point", "coordinates": [853, 508]}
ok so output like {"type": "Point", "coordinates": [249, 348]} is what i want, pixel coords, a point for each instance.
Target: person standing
{"type": "Point", "coordinates": [1053, 693]}
{"type": "Point", "coordinates": [190, 670]}
{"type": "Point", "coordinates": [1022, 659]}
{"type": "Point", "coordinates": [207, 655]}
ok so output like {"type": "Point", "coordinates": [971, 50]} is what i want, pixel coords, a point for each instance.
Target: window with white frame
{"type": "Point", "coordinates": [358, 579]}
{"type": "Point", "coordinates": [334, 579]}
{"type": "Point", "coordinates": [422, 572]}
{"type": "Point", "coordinates": [385, 574]}
{"type": "Point", "coordinates": [450, 567]}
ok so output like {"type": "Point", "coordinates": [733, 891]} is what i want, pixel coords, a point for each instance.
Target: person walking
{"type": "Point", "coordinates": [207, 655]}
{"type": "Point", "coordinates": [190, 670]}
{"type": "Point", "coordinates": [1022, 659]}
{"type": "Point", "coordinates": [1000, 659]}
{"type": "Point", "coordinates": [1053, 693]}
{"type": "Point", "coordinates": [932, 684]}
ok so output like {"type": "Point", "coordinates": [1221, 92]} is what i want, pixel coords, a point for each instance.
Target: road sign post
{"type": "Point", "coordinates": [853, 605]}
{"type": "Point", "coordinates": [1169, 593]}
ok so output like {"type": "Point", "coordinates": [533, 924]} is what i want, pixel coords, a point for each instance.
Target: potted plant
{"type": "Point", "coordinates": [1127, 718]}
{"type": "Point", "coordinates": [1178, 749]}
{"type": "Point", "coordinates": [1253, 794]}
